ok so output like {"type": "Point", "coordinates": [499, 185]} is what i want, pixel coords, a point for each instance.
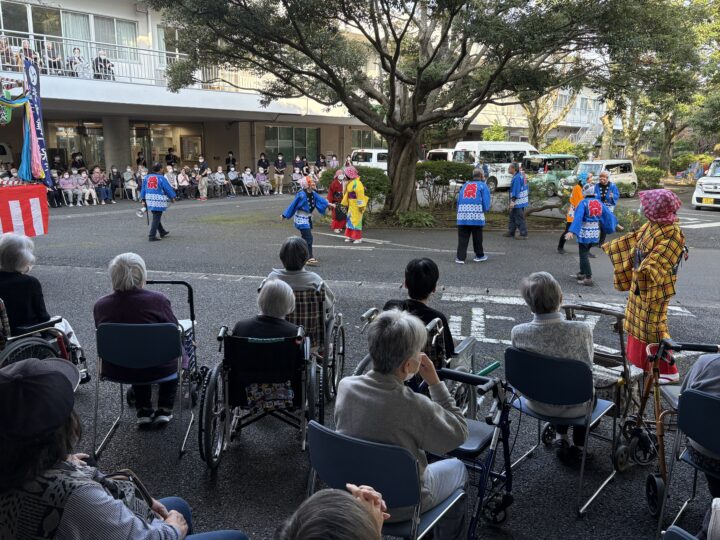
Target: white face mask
{"type": "Point", "coordinates": [232, 168]}
{"type": "Point", "coordinates": [201, 160]}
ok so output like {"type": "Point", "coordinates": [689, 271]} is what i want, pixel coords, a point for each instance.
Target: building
{"type": "Point", "coordinates": [112, 114]}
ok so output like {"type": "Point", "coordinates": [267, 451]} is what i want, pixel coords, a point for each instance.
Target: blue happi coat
{"type": "Point", "coordinates": [301, 207]}
{"type": "Point", "coordinates": [612, 195]}
{"type": "Point", "coordinates": [156, 191]}
{"type": "Point", "coordinates": [473, 202]}
{"type": "Point", "coordinates": [519, 190]}
{"type": "Point", "coordinates": [591, 217]}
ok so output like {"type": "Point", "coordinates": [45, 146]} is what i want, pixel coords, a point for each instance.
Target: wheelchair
{"type": "Point", "coordinates": [464, 361]}
{"type": "Point", "coordinates": [39, 341]}
{"type": "Point", "coordinates": [275, 377]}
{"type": "Point", "coordinates": [327, 338]}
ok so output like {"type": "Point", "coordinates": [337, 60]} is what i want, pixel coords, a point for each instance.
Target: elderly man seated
{"type": "Point", "coordinates": [275, 301]}
{"type": "Point", "coordinates": [378, 407]}
{"type": "Point", "coordinates": [550, 334]}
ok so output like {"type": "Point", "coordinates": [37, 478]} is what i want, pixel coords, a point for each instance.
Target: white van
{"type": "Point", "coordinates": [377, 158]}
{"type": "Point", "coordinates": [440, 154]}
{"type": "Point", "coordinates": [498, 155]}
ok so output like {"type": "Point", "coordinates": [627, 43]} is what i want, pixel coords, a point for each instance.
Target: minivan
{"type": "Point", "coordinates": [498, 155]}
{"type": "Point", "coordinates": [376, 158]}
{"type": "Point", "coordinates": [622, 173]}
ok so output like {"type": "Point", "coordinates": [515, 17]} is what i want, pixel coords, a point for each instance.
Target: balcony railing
{"type": "Point", "coordinates": [69, 57]}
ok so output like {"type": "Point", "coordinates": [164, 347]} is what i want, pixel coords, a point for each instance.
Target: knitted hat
{"type": "Point", "coordinates": [589, 189]}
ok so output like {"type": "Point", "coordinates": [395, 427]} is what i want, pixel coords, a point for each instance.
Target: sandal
{"type": "Point", "coordinates": [312, 262]}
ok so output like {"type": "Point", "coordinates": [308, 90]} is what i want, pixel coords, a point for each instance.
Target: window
{"type": "Point", "coordinates": [14, 17]}
{"type": "Point", "coordinates": [76, 28]}
{"type": "Point", "coordinates": [115, 32]}
{"type": "Point", "coordinates": [362, 157]}
{"type": "Point", "coordinates": [382, 157]}
{"type": "Point", "coordinates": [625, 168]}
{"type": "Point", "coordinates": [570, 164]}
{"type": "Point", "coordinates": [46, 21]}
{"type": "Point", "coordinates": [464, 156]}
{"type": "Point", "coordinates": [290, 142]}
{"type": "Point", "coordinates": [365, 138]}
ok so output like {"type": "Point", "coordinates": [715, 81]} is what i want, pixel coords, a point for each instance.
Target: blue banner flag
{"type": "Point", "coordinates": [32, 79]}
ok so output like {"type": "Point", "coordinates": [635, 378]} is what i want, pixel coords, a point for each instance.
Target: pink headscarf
{"type": "Point", "coordinates": [660, 205]}
{"type": "Point", "coordinates": [351, 172]}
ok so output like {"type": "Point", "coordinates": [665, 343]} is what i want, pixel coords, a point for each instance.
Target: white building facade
{"type": "Point", "coordinates": [112, 114]}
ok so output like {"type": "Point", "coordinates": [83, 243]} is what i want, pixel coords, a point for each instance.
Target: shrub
{"type": "Point", "coordinates": [683, 161]}
{"type": "Point", "coordinates": [566, 146]}
{"type": "Point", "coordinates": [629, 219]}
{"type": "Point", "coordinates": [649, 177]}
{"type": "Point", "coordinates": [326, 177]}
{"type": "Point", "coordinates": [376, 182]}
{"type": "Point", "coordinates": [495, 132]}
{"type": "Point", "coordinates": [653, 162]}
{"type": "Point", "coordinates": [434, 178]}
{"type": "Point", "coordinates": [416, 219]}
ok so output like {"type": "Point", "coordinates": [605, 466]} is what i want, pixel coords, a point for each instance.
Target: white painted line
{"type": "Point", "coordinates": [477, 323]}
{"type": "Point", "coordinates": [342, 237]}
{"type": "Point", "coordinates": [455, 324]}
{"type": "Point", "coordinates": [500, 317]}
{"type": "Point", "coordinates": [484, 299]}
{"type": "Point", "coordinates": [354, 248]}
{"type": "Point", "coordinates": [702, 225]}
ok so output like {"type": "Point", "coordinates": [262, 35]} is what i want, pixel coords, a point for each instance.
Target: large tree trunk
{"type": "Point", "coordinates": [667, 144]}
{"type": "Point", "coordinates": [608, 122]}
{"type": "Point", "coordinates": [402, 160]}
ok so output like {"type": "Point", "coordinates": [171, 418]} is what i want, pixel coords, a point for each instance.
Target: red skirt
{"type": "Point", "coordinates": [638, 352]}
{"type": "Point", "coordinates": [353, 234]}
{"type": "Point", "coordinates": [337, 224]}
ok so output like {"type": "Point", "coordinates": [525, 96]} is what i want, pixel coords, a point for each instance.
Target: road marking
{"type": "Point", "coordinates": [500, 317]}
{"type": "Point", "coordinates": [484, 299]}
{"type": "Point", "coordinates": [702, 225]}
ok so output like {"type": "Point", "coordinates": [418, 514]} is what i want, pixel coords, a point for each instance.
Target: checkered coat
{"type": "Point", "coordinates": [645, 263]}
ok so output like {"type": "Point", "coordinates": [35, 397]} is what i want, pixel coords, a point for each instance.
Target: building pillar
{"type": "Point", "coordinates": [116, 138]}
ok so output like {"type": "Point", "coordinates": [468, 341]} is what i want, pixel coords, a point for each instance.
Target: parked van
{"type": "Point", "coordinates": [440, 154]}
{"type": "Point", "coordinates": [498, 155]}
{"type": "Point", "coordinates": [550, 169]}
{"type": "Point", "coordinates": [6, 155]}
{"type": "Point", "coordinates": [376, 158]}
{"type": "Point", "coordinates": [622, 173]}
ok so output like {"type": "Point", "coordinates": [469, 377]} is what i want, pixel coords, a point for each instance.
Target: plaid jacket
{"type": "Point", "coordinates": [310, 314]}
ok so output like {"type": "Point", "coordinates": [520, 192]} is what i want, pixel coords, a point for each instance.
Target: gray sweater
{"type": "Point", "coordinates": [551, 335]}
{"type": "Point", "coordinates": [379, 407]}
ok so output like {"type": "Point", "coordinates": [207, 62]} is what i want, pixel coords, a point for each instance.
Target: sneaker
{"type": "Point", "coordinates": [312, 261]}
{"type": "Point", "coordinates": [561, 448]}
{"type": "Point", "coordinates": [522, 237]}
{"type": "Point", "coordinates": [337, 231]}
{"type": "Point", "coordinates": [145, 417]}
{"type": "Point", "coordinates": [588, 282]}
{"type": "Point", "coordinates": [508, 235]}
{"type": "Point", "coordinates": [154, 239]}
{"type": "Point", "coordinates": [458, 261]}
{"type": "Point", "coordinates": [357, 242]}
{"type": "Point", "coordinates": [112, 202]}
{"type": "Point", "coordinates": [163, 235]}
{"type": "Point", "coordinates": [579, 276]}
{"type": "Point", "coordinates": [101, 202]}
{"type": "Point", "coordinates": [561, 251]}
{"type": "Point", "coordinates": [71, 205]}
{"type": "Point", "coordinates": [162, 417]}
{"type": "Point", "coordinates": [347, 240]}
{"type": "Point", "coordinates": [480, 259]}
{"type": "Point", "coordinates": [573, 456]}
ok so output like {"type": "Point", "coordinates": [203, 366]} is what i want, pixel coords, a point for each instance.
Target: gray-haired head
{"type": "Point", "coordinates": [294, 253]}
{"type": "Point", "coordinates": [393, 338]}
{"type": "Point", "coordinates": [16, 253]}
{"type": "Point", "coordinates": [127, 272]}
{"type": "Point", "coordinates": [478, 174]}
{"type": "Point", "coordinates": [541, 292]}
{"type": "Point", "coordinates": [276, 299]}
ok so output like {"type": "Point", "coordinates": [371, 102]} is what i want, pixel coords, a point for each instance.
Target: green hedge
{"type": "Point", "coordinates": [443, 171]}
{"type": "Point", "coordinates": [652, 162]}
{"type": "Point", "coordinates": [649, 177]}
{"type": "Point", "coordinates": [683, 161]}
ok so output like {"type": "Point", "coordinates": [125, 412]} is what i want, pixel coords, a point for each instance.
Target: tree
{"type": "Point", "coordinates": [496, 132]}
{"type": "Point", "coordinates": [543, 117]}
{"type": "Point", "coordinates": [438, 60]}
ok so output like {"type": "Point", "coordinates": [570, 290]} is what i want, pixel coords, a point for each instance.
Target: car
{"type": "Point", "coordinates": [440, 154]}
{"type": "Point", "coordinates": [549, 170]}
{"type": "Point", "coordinates": [498, 155]}
{"type": "Point", "coordinates": [707, 188]}
{"type": "Point", "coordinates": [622, 173]}
{"type": "Point", "coordinates": [377, 158]}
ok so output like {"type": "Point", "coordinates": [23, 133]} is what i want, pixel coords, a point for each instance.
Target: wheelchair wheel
{"type": "Point", "coordinates": [548, 434]}
{"type": "Point", "coordinates": [314, 398]}
{"type": "Point", "coordinates": [621, 458]}
{"type": "Point", "coordinates": [336, 363]}
{"type": "Point", "coordinates": [31, 347]}
{"type": "Point", "coordinates": [654, 493]}
{"type": "Point", "coordinates": [643, 447]}
{"type": "Point", "coordinates": [213, 418]}
{"type": "Point", "coordinates": [497, 509]}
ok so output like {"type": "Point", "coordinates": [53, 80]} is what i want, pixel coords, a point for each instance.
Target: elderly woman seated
{"type": "Point", "coordinates": [131, 303]}
{"type": "Point", "coordinates": [46, 491]}
{"type": "Point", "coordinates": [275, 301]}
{"type": "Point", "coordinates": [21, 292]}
{"type": "Point", "coordinates": [377, 406]}
{"type": "Point", "coordinates": [550, 334]}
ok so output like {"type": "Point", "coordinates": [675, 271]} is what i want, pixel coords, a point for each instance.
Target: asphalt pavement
{"type": "Point", "coordinates": [225, 247]}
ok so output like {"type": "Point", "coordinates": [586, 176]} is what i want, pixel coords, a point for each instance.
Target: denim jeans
{"type": "Point", "coordinates": [103, 193]}
{"type": "Point", "coordinates": [179, 505]}
{"type": "Point", "coordinates": [155, 224]}
{"type": "Point", "coordinates": [584, 250]}
{"type": "Point", "coordinates": [308, 237]}
{"type": "Point", "coordinates": [517, 221]}
{"type": "Point", "coordinates": [464, 233]}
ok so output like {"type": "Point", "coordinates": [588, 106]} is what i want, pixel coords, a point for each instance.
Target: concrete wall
{"type": "Point", "coordinates": [116, 136]}
{"type": "Point", "coordinates": [218, 138]}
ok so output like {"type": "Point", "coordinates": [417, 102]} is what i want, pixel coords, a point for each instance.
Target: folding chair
{"type": "Point", "coordinates": [393, 471]}
{"type": "Point", "coordinates": [536, 377]}
{"type": "Point", "coordinates": [697, 412]}
{"type": "Point", "coordinates": [137, 347]}
{"type": "Point", "coordinates": [676, 533]}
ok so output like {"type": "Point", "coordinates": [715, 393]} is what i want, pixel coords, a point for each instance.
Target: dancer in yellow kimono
{"type": "Point", "coordinates": [646, 263]}
{"type": "Point", "coordinates": [356, 202]}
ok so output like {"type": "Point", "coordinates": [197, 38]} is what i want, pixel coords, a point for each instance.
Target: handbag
{"type": "Point", "coordinates": [124, 485]}
{"type": "Point", "coordinates": [340, 213]}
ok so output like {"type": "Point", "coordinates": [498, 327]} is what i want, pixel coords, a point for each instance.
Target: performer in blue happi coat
{"type": "Point", "coordinates": [306, 200]}
{"type": "Point", "coordinates": [591, 218]}
{"type": "Point", "coordinates": [608, 194]}
{"type": "Point", "coordinates": [155, 193]}
{"type": "Point", "coordinates": [519, 199]}
{"type": "Point", "coordinates": [473, 202]}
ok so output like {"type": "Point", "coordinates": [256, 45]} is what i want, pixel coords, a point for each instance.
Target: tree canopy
{"type": "Point", "coordinates": [402, 67]}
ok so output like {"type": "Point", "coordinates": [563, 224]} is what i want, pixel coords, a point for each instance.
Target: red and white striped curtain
{"type": "Point", "coordinates": [24, 209]}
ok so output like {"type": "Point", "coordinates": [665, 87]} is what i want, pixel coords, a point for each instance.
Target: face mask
{"type": "Point", "coordinates": [74, 171]}
{"type": "Point", "coordinates": [102, 55]}
{"type": "Point", "coordinates": [232, 168]}
{"type": "Point", "coordinates": [170, 170]}
{"type": "Point", "coordinates": [197, 168]}
{"type": "Point", "coordinates": [66, 176]}
{"type": "Point", "coordinates": [79, 156]}
{"type": "Point", "coordinates": [114, 169]}
{"type": "Point", "coordinates": [84, 175]}
{"type": "Point", "coordinates": [247, 171]}
{"type": "Point", "coordinates": [128, 169]}
{"type": "Point", "coordinates": [201, 160]}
